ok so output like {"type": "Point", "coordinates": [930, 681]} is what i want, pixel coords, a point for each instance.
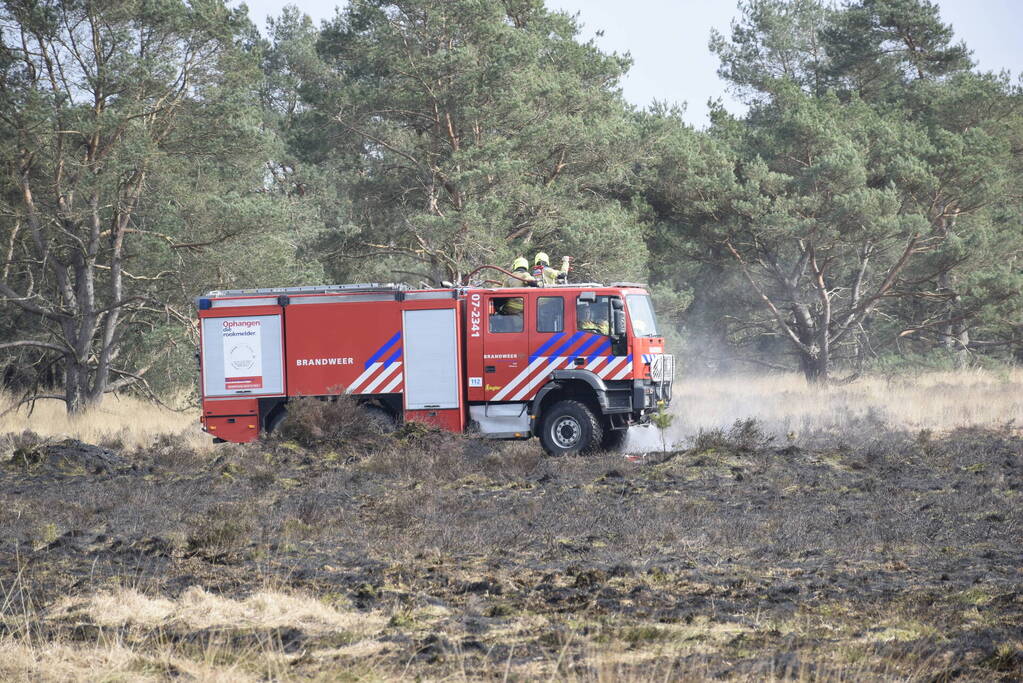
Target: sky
{"type": "Point", "coordinates": [667, 40]}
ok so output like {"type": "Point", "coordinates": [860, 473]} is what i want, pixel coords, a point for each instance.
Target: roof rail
{"type": "Point", "coordinates": [627, 284]}
{"type": "Point", "coordinates": [313, 289]}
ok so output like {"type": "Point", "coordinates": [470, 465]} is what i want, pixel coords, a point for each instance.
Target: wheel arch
{"type": "Point", "coordinates": [270, 412]}
{"type": "Point", "coordinates": [578, 385]}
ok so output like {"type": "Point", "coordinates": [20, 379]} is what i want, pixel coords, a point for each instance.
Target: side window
{"type": "Point", "coordinates": [550, 314]}
{"type": "Point", "coordinates": [593, 316]}
{"type": "Point", "coordinates": [506, 314]}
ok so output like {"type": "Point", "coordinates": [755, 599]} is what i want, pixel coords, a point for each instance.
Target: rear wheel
{"type": "Point", "coordinates": [274, 419]}
{"type": "Point", "coordinates": [570, 427]}
{"type": "Point", "coordinates": [381, 420]}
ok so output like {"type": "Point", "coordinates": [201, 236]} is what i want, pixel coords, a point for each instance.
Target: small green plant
{"type": "Point", "coordinates": [662, 419]}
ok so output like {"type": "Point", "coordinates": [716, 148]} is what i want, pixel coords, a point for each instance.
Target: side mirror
{"type": "Point", "coordinates": [619, 326]}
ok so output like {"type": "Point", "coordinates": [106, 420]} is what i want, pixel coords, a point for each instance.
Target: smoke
{"type": "Point", "coordinates": [787, 407]}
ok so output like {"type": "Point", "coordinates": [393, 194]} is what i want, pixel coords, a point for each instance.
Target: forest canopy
{"type": "Point", "coordinates": [863, 213]}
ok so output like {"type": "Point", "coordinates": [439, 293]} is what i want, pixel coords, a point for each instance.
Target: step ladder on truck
{"type": "Point", "coordinates": [509, 363]}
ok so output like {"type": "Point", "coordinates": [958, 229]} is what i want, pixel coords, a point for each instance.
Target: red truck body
{"type": "Point", "coordinates": [494, 360]}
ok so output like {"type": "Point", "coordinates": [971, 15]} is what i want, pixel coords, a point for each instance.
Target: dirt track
{"type": "Point", "coordinates": [842, 556]}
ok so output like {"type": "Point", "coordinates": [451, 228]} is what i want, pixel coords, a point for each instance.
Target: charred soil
{"type": "Point", "coordinates": [846, 555]}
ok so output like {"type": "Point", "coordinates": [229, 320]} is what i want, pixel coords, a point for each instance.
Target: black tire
{"type": "Point", "coordinates": [275, 418]}
{"type": "Point", "coordinates": [614, 440]}
{"type": "Point", "coordinates": [379, 419]}
{"type": "Point", "coordinates": [569, 428]}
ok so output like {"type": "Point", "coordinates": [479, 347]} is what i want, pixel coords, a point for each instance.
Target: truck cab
{"type": "Point", "coordinates": [575, 365]}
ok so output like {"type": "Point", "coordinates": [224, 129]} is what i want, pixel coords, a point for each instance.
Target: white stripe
{"type": "Point", "coordinates": [595, 362]}
{"type": "Point", "coordinates": [610, 366]}
{"type": "Point", "coordinates": [540, 377]}
{"type": "Point", "coordinates": [394, 383]}
{"type": "Point", "coordinates": [380, 378]}
{"type": "Point", "coordinates": [626, 370]}
{"type": "Point", "coordinates": [363, 377]}
{"type": "Point", "coordinates": [518, 378]}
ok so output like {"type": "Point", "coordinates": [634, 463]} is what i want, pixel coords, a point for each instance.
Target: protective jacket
{"type": "Point", "coordinates": [601, 327]}
{"type": "Point", "coordinates": [526, 280]}
{"type": "Point", "coordinates": [550, 276]}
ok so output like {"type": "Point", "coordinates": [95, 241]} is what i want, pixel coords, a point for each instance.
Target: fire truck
{"type": "Point", "coordinates": [574, 365]}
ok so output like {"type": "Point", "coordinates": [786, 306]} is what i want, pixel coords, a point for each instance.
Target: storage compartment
{"type": "Point", "coordinates": [432, 374]}
{"type": "Point", "coordinates": [242, 355]}
{"type": "Point", "coordinates": [431, 360]}
{"type": "Point", "coordinates": [450, 419]}
{"type": "Point", "coordinates": [502, 420]}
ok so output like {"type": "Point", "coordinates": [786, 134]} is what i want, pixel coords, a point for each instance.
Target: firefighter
{"type": "Point", "coordinates": [513, 306]}
{"type": "Point", "coordinates": [593, 318]}
{"type": "Point", "coordinates": [520, 271]}
{"type": "Point", "coordinates": [546, 275]}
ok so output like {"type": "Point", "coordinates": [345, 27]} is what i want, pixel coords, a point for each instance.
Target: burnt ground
{"type": "Point", "coordinates": [870, 553]}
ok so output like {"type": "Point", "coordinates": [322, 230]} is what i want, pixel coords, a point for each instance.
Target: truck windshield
{"type": "Point", "coordinates": [644, 322]}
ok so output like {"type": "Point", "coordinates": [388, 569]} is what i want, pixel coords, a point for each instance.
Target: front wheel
{"type": "Point", "coordinates": [570, 427]}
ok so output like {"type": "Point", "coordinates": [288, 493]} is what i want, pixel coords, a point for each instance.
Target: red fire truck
{"type": "Point", "coordinates": [574, 364]}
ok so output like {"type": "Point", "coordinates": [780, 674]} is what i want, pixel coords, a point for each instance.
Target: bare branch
{"type": "Point", "coordinates": [767, 301]}
{"type": "Point", "coordinates": [32, 399]}
{"type": "Point", "coordinates": [36, 344]}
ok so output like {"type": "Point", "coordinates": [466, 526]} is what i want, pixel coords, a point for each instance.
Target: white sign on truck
{"type": "Point", "coordinates": [243, 349]}
{"type": "Point", "coordinates": [242, 355]}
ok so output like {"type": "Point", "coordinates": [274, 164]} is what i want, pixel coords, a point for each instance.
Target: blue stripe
{"type": "Point", "coordinates": [564, 347]}
{"type": "Point", "coordinates": [394, 356]}
{"type": "Point", "coordinates": [599, 350]}
{"type": "Point", "coordinates": [587, 344]}
{"type": "Point", "coordinates": [546, 345]}
{"type": "Point", "coordinates": [382, 350]}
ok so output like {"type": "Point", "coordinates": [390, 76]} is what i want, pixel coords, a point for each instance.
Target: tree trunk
{"type": "Point", "coordinates": [74, 391]}
{"type": "Point", "coordinates": [955, 336]}
{"type": "Point", "coordinates": [961, 353]}
{"type": "Point", "coordinates": [77, 393]}
{"type": "Point", "coordinates": [815, 368]}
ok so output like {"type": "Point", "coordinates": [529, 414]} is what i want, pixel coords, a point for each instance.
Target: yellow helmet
{"type": "Point", "coordinates": [520, 263]}
{"type": "Point", "coordinates": [541, 257]}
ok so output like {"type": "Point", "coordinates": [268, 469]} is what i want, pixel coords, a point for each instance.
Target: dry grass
{"type": "Point", "coordinates": [124, 420]}
{"type": "Point", "coordinates": [21, 660]}
{"type": "Point", "coordinates": [139, 637]}
{"type": "Point", "coordinates": [782, 403]}
{"type": "Point", "coordinates": [207, 637]}
{"type": "Point", "coordinates": [198, 609]}
{"type": "Point", "coordinates": [785, 405]}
